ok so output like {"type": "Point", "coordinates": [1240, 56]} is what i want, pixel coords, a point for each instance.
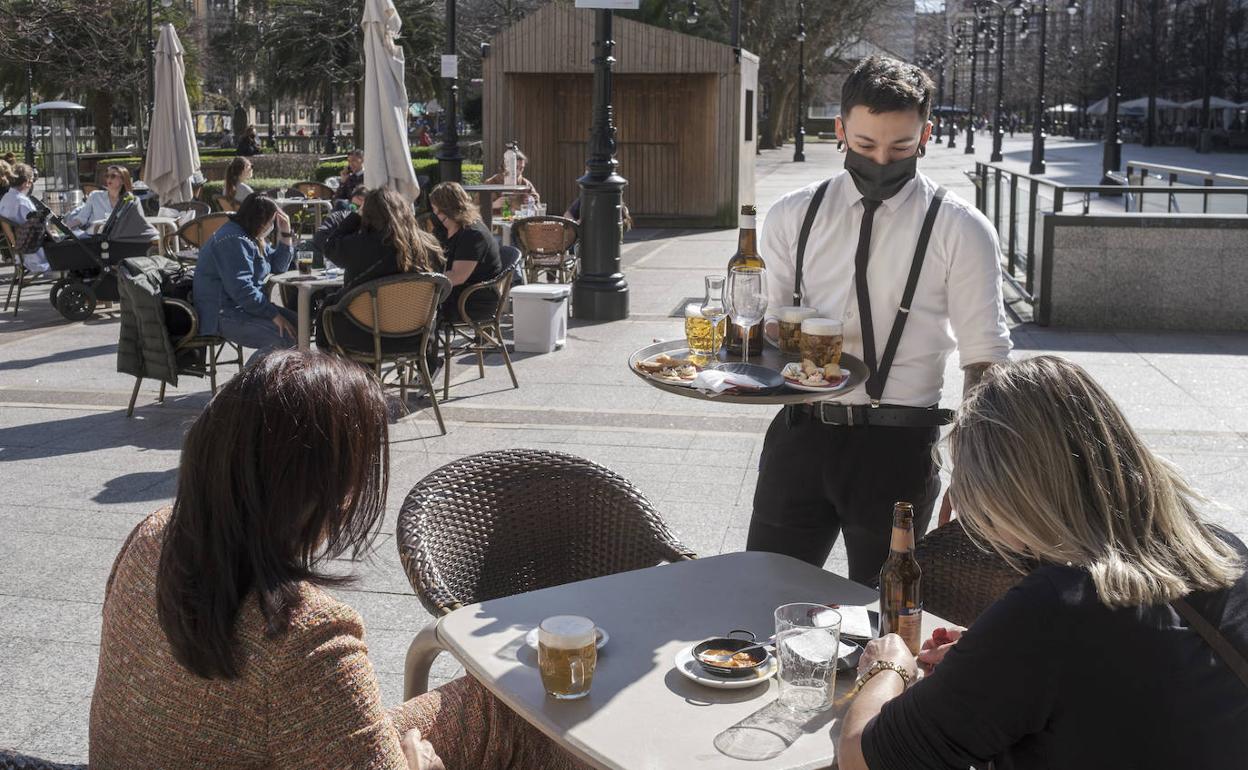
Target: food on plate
{"type": "Point", "coordinates": [738, 659]}
{"type": "Point", "coordinates": [806, 373]}
{"type": "Point", "coordinates": [669, 368]}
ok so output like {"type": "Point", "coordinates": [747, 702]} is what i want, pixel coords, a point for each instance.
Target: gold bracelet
{"type": "Point", "coordinates": [877, 667]}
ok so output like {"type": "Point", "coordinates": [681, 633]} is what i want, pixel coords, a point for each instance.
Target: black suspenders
{"type": "Point", "coordinates": [878, 378]}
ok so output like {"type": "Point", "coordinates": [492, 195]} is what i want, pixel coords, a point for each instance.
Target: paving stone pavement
{"type": "Point", "coordinates": [77, 475]}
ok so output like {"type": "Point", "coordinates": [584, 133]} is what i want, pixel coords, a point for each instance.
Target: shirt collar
{"type": "Point", "coordinates": [850, 195]}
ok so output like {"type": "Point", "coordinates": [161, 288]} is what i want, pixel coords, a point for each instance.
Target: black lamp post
{"type": "Point", "coordinates": [450, 162]}
{"type": "Point", "coordinates": [331, 142]}
{"type": "Point", "coordinates": [799, 134]}
{"type": "Point", "coordinates": [953, 100]}
{"type": "Point", "coordinates": [1112, 158]}
{"type": "Point", "coordinates": [736, 26]}
{"type": "Point", "coordinates": [30, 126]}
{"type": "Point", "coordinates": [970, 113]}
{"type": "Point", "coordinates": [982, 9]}
{"type": "Point", "coordinates": [600, 293]}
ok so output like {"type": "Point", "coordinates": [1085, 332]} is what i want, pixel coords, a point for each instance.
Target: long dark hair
{"type": "Point", "coordinates": [388, 214]}
{"type": "Point", "coordinates": [234, 175]}
{"type": "Point", "coordinates": [286, 467]}
{"type": "Point", "coordinates": [255, 212]}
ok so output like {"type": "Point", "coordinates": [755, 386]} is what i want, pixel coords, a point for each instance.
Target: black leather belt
{"type": "Point", "coordinates": [887, 416]}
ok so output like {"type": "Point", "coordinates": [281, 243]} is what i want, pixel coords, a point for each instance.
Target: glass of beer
{"type": "Point", "coordinates": [303, 260]}
{"type": "Point", "coordinates": [790, 318]}
{"type": "Point", "coordinates": [821, 341]}
{"type": "Point", "coordinates": [704, 336]}
{"type": "Point", "coordinates": [567, 653]}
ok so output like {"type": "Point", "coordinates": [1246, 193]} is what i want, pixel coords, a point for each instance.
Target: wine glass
{"type": "Point", "coordinates": [746, 298]}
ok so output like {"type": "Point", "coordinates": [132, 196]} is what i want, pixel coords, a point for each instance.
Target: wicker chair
{"type": "Point", "coordinates": [315, 190]}
{"type": "Point", "coordinates": [481, 336]}
{"type": "Point", "coordinates": [182, 320]}
{"type": "Point", "coordinates": [547, 245]}
{"type": "Point", "coordinates": [401, 305]}
{"type": "Point", "coordinates": [195, 234]}
{"type": "Point", "coordinates": [505, 522]}
{"type": "Point", "coordinates": [11, 760]}
{"type": "Point", "coordinates": [8, 241]}
{"type": "Point", "coordinates": [960, 580]}
{"type": "Point", "coordinates": [226, 204]}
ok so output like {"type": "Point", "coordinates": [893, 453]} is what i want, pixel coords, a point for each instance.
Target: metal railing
{"type": "Point", "coordinates": [1178, 180]}
{"type": "Point", "coordinates": [1016, 202]}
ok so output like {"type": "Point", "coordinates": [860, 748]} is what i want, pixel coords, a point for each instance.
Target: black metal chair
{"type": "Point", "coordinates": [483, 334]}
{"type": "Point", "coordinates": [198, 355]}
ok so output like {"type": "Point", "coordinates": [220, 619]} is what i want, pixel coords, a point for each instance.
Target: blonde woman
{"type": "Point", "coordinates": [236, 176]}
{"type": "Point", "coordinates": [470, 248]}
{"type": "Point", "coordinates": [1092, 660]}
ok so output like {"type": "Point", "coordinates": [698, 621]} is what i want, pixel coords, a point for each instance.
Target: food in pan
{"type": "Point", "coordinates": [738, 659]}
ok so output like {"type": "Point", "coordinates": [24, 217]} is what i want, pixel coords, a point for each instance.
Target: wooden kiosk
{"type": "Point", "coordinates": [684, 111]}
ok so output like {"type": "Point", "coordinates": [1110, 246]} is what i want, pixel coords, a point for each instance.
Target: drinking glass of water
{"type": "Point", "coordinates": [808, 641]}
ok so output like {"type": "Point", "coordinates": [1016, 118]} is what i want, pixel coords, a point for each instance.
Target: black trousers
{"type": "Point", "coordinates": [816, 480]}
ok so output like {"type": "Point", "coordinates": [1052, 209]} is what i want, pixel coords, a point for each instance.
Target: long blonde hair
{"type": "Point", "coordinates": [1045, 466]}
{"type": "Point", "coordinates": [234, 175]}
{"type": "Point", "coordinates": [453, 201]}
{"type": "Point", "coordinates": [389, 214]}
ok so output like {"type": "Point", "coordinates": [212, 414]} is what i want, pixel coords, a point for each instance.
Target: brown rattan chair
{"type": "Point", "coordinates": [194, 234]}
{"type": "Point", "coordinates": [315, 190]}
{"type": "Point", "coordinates": [11, 760]}
{"type": "Point", "coordinates": [547, 245]}
{"type": "Point", "coordinates": [960, 580]}
{"type": "Point", "coordinates": [8, 241]}
{"type": "Point", "coordinates": [396, 306]}
{"type": "Point", "coordinates": [481, 335]}
{"type": "Point", "coordinates": [226, 204]}
{"type": "Point", "coordinates": [198, 355]}
{"type": "Point", "coordinates": [505, 522]}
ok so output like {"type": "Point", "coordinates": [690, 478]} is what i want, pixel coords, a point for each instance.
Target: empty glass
{"type": "Point", "coordinates": [808, 641]}
{"type": "Point", "coordinates": [746, 298]}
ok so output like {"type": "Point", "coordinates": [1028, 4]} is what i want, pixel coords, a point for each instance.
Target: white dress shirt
{"type": "Point", "coordinates": [14, 207]}
{"type": "Point", "coordinates": [957, 302]}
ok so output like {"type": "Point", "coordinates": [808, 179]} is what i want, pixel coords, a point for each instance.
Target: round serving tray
{"type": "Point", "coordinates": [770, 357]}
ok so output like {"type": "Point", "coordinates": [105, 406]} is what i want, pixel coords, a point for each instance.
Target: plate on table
{"type": "Point", "coordinates": [531, 638]}
{"type": "Point", "coordinates": [768, 379]}
{"type": "Point", "coordinates": [795, 379]}
{"type": "Point", "coordinates": [669, 369]}
{"type": "Point", "coordinates": [689, 667]}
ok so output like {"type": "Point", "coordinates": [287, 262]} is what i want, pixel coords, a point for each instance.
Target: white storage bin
{"type": "Point", "coordinates": [540, 313]}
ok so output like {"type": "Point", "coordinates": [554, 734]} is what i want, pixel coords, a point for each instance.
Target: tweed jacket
{"type": "Point", "coordinates": [307, 700]}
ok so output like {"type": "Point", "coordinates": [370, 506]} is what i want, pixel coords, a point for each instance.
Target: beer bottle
{"type": "Point", "coordinates": [746, 256]}
{"type": "Point", "coordinates": [901, 600]}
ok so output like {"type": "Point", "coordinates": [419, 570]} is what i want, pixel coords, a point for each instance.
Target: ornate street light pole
{"type": "Point", "coordinates": [600, 293]}
{"type": "Point", "coordinates": [799, 136]}
{"type": "Point", "coordinates": [953, 100]}
{"type": "Point", "coordinates": [1112, 158]}
{"type": "Point", "coordinates": [450, 162]}
{"type": "Point", "coordinates": [30, 126]}
{"type": "Point", "coordinates": [970, 114]}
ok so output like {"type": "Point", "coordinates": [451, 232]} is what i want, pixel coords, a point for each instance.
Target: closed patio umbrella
{"type": "Point", "coordinates": [387, 155]}
{"type": "Point", "coordinates": [172, 156]}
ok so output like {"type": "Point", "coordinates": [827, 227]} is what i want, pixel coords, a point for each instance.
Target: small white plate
{"type": "Point", "coordinates": [840, 385]}
{"type": "Point", "coordinates": [531, 637]}
{"type": "Point", "coordinates": [686, 665]}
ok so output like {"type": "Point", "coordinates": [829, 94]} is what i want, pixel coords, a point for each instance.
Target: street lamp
{"type": "Point", "coordinates": [1002, 7]}
{"type": "Point", "coordinates": [450, 162]}
{"type": "Point", "coordinates": [977, 28]}
{"type": "Point", "coordinates": [799, 137]}
{"type": "Point", "coordinates": [600, 292]}
{"type": "Point", "coordinates": [937, 61]}
{"type": "Point", "coordinates": [1112, 158]}
{"type": "Point", "coordinates": [953, 99]}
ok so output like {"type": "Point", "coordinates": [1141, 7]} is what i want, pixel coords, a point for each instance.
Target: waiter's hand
{"type": "Point", "coordinates": [946, 510]}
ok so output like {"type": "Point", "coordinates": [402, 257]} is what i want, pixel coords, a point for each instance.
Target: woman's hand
{"type": "Point", "coordinates": [284, 329]}
{"type": "Point", "coordinates": [282, 220]}
{"type": "Point", "coordinates": [889, 647]}
{"type": "Point", "coordinates": [934, 649]}
{"type": "Point", "coordinates": [419, 752]}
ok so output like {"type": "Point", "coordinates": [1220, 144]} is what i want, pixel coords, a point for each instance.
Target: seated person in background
{"type": "Point", "coordinates": [230, 293]}
{"type": "Point", "coordinates": [100, 203]}
{"type": "Point", "coordinates": [517, 200]}
{"type": "Point", "coordinates": [236, 176]}
{"type": "Point", "coordinates": [1091, 661]}
{"type": "Point", "coordinates": [16, 206]}
{"type": "Point", "coordinates": [221, 645]}
{"type": "Point", "coordinates": [352, 176]}
{"type": "Point", "coordinates": [381, 239]}
{"type": "Point", "coordinates": [574, 213]}
{"type": "Point", "coordinates": [470, 248]}
{"type": "Point", "coordinates": [335, 218]}
{"type": "Point", "coordinates": [6, 176]}
{"type": "Point", "coordinates": [248, 144]}
{"type": "Point", "coordinates": [424, 138]}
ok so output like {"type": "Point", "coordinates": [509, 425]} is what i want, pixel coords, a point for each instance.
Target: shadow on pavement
{"type": "Point", "coordinates": [64, 355]}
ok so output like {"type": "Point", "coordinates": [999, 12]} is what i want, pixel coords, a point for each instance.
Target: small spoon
{"type": "Point", "coordinates": [706, 657]}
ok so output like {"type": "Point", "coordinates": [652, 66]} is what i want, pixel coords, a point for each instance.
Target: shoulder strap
{"type": "Point", "coordinates": [875, 384]}
{"type": "Point", "coordinates": [1229, 655]}
{"type": "Point", "coordinates": [811, 211]}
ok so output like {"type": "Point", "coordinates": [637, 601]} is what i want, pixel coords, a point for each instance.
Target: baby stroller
{"type": "Point", "coordinates": [90, 263]}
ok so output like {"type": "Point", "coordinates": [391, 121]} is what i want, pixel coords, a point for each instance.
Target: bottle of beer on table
{"type": "Point", "coordinates": [901, 600]}
{"type": "Point", "coordinates": [746, 256]}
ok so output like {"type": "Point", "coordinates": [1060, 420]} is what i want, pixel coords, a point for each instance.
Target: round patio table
{"type": "Point", "coordinates": [770, 357]}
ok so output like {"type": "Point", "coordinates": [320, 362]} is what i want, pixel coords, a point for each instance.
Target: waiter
{"type": "Point", "coordinates": [912, 271]}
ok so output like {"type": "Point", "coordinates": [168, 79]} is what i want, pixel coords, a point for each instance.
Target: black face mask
{"type": "Point", "coordinates": [879, 182]}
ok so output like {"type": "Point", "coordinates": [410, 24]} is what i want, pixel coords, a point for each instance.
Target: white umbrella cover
{"type": "Point", "coordinates": [1142, 104]}
{"type": "Point", "coordinates": [387, 155]}
{"type": "Point", "coordinates": [1215, 103]}
{"type": "Point", "coordinates": [172, 155]}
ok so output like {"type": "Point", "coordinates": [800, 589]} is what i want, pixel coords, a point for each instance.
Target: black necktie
{"type": "Point", "coordinates": [860, 278]}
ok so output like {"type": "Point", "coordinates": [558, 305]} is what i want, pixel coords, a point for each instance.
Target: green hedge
{"type": "Point", "coordinates": [423, 167]}
{"type": "Point", "coordinates": [209, 192]}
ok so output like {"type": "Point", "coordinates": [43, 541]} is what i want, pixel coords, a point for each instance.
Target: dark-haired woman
{"type": "Point", "coordinates": [236, 176]}
{"type": "Point", "coordinates": [221, 648]}
{"type": "Point", "coordinates": [233, 265]}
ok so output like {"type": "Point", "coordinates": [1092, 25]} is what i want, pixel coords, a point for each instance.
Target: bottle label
{"type": "Point", "coordinates": [909, 627]}
{"type": "Point", "coordinates": [747, 222]}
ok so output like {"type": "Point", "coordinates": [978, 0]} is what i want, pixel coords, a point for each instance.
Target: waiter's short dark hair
{"type": "Point", "coordinates": [884, 84]}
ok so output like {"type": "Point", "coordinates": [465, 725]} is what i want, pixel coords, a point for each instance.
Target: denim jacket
{"type": "Point", "coordinates": [230, 276]}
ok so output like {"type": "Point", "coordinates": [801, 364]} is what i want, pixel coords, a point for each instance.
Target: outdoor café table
{"type": "Point", "coordinates": [770, 357]}
{"type": "Point", "coordinates": [305, 284]}
{"type": "Point", "coordinates": [640, 711]}
{"type": "Point", "coordinates": [485, 196]}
